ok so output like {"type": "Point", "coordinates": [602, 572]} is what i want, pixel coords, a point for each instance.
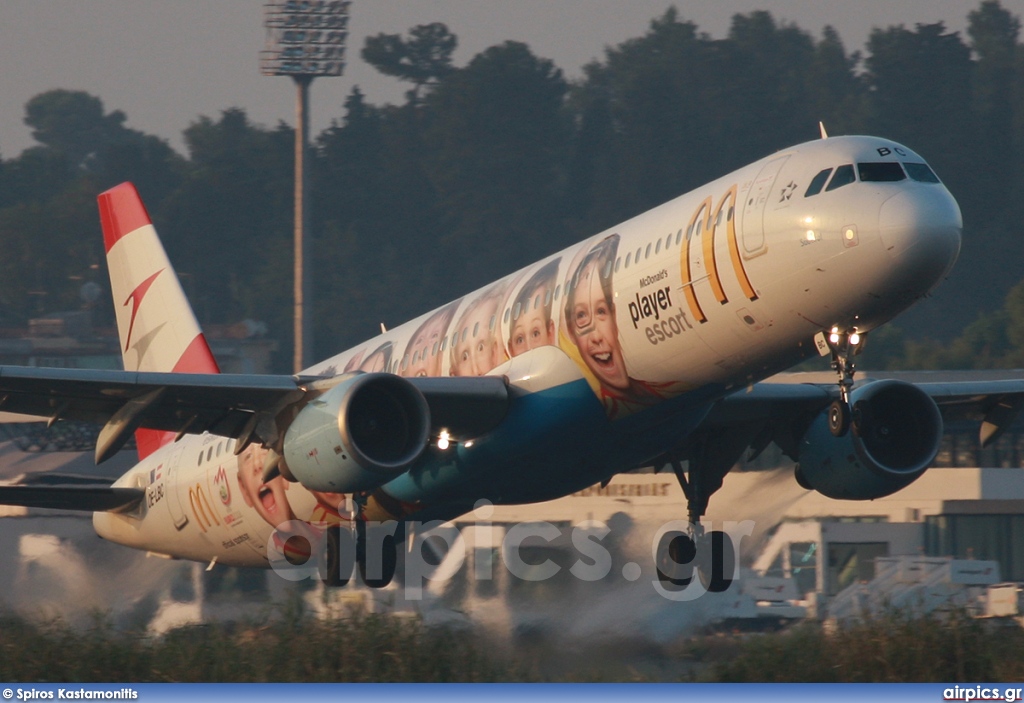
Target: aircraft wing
{"type": "Point", "coordinates": [217, 403]}
{"type": "Point", "coordinates": [222, 404]}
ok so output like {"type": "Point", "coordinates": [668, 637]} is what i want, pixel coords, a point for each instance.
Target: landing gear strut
{"type": "Point", "coordinates": [376, 549]}
{"type": "Point", "coordinates": [843, 346]}
{"type": "Point", "coordinates": [379, 548]}
{"type": "Point", "coordinates": [708, 555]}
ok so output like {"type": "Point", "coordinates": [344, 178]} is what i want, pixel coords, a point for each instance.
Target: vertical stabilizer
{"type": "Point", "coordinates": [156, 325]}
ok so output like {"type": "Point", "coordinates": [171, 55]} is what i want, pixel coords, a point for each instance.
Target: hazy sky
{"type": "Point", "coordinates": [165, 62]}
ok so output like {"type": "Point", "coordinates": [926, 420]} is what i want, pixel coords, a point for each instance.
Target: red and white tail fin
{"type": "Point", "coordinates": [158, 330]}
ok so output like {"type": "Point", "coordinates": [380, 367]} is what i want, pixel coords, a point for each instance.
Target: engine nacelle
{"type": "Point", "coordinates": [893, 438]}
{"type": "Point", "coordinates": [357, 435]}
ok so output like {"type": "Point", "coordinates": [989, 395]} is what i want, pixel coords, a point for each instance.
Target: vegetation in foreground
{"type": "Point", "coordinates": [358, 648]}
{"type": "Point", "coordinates": [377, 648]}
{"type": "Point", "coordinates": [891, 649]}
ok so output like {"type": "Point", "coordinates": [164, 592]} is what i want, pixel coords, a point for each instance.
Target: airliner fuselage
{"type": "Point", "coordinates": [614, 349]}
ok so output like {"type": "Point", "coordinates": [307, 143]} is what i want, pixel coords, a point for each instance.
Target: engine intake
{"type": "Point", "coordinates": [894, 437]}
{"type": "Point", "coordinates": [358, 435]}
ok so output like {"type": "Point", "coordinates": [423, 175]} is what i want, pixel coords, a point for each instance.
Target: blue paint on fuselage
{"type": "Point", "coordinates": [572, 444]}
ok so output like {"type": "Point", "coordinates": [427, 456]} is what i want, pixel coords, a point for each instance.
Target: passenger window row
{"type": "Point", "coordinates": [654, 247]}
{"type": "Point", "coordinates": [214, 451]}
{"type": "Point", "coordinates": [513, 313]}
{"type": "Point", "coordinates": [467, 332]}
{"type": "Point", "coordinates": [659, 244]}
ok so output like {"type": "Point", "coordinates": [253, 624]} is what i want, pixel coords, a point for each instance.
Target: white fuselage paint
{"type": "Point", "coordinates": [716, 288]}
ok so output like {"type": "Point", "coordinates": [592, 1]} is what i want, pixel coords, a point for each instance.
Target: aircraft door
{"type": "Point", "coordinates": [754, 206]}
{"type": "Point", "coordinates": [178, 515]}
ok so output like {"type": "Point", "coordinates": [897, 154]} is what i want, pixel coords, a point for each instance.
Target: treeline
{"type": "Point", "coordinates": [488, 166]}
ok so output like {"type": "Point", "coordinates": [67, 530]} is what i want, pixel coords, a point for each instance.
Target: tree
{"type": "Point", "coordinates": [835, 89]}
{"type": "Point", "coordinates": [229, 224]}
{"type": "Point", "coordinates": [369, 214]}
{"type": "Point", "coordinates": [72, 122]}
{"type": "Point", "coordinates": [77, 137]}
{"type": "Point", "coordinates": [993, 32]}
{"type": "Point", "coordinates": [645, 120]}
{"type": "Point", "coordinates": [424, 59]}
{"type": "Point", "coordinates": [495, 137]}
{"type": "Point", "coordinates": [767, 68]}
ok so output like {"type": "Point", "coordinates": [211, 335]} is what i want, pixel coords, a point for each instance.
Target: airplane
{"type": "Point", "coordinates": [645, 344]}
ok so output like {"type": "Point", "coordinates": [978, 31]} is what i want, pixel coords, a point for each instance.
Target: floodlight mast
{"type": "Point", "coordinates": [305, 39]}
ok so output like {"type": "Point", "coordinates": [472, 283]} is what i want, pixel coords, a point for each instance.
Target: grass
{"type": "Point", "coordinates": [379, 648]}
{"type": "Point", "coordinates": [358, 648]}
{"type": "Point", "coordinates": [891, 648]}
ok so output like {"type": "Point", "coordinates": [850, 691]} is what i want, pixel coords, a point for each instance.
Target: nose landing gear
{"type": "Point", "coordinates": [843, 346]}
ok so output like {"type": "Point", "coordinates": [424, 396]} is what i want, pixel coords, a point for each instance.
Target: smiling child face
{"type": "Point", "coordinates": [268, 499]}
{"type": "Point", "coordinates": [479, 352]}
{"type": "Point", "coordinates": [534, 327]}
{"type": "Point", "coordinates": [420, 348]}
{"type": "Point", "coordinates": [594, 330]}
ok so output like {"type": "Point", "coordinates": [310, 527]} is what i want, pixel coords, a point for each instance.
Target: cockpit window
{"type": "Point", "coordinates": [817, 183]}
{"type": "Point", "coordinates": [881, 172]}
{"type": "Point", "coordinates": [921, 173]}
{"type": "Point", "coordinates": [844, 176]}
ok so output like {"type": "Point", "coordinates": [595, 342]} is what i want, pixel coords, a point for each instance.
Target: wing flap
{"type": "Point", "coordinates": [218, 403]}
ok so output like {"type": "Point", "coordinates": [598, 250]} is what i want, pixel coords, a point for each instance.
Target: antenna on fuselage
{"type": "Point", "coordinates": [824, 134]}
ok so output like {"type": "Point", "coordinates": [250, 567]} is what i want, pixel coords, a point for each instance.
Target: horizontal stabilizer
{"type": "Point", "coordinates": [88, 498]}
{"type": "Point", "coordinates": [52, 478]}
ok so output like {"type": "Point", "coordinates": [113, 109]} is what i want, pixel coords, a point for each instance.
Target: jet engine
{"type": "Point", "coordinates": [893, 438]}
{"type": "Point", "coordinates": [358, 435]}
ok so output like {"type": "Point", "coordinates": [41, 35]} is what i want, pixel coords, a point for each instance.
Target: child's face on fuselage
{"type": "Point", "coordinates": [426, 364]}
{"type": "Point", "coordinates": [374, 363]}
{"type": "Point", "coordinates": [268, 499]}
{"type": "Point", "coordinates": [595, 332]}
{"type": "Point", "coordinates": [534, 326]}
{"type": "Point", "coordinates": [479, 351]}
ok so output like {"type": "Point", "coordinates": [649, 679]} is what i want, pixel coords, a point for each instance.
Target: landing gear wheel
{"type": "Point", "coordinates": [719, 549]}
{"type": "Point", "coordinates": [676, 559]}
{"type": "Point", "coordinates": [337, 565]}
{"type": "Point", "coordinates": [378, 570]}
{"type": "Point", "coordinates": [839, 418]}
{"type": "Point", "coordinates": [711, 558]}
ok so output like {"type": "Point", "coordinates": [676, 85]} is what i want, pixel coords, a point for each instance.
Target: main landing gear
{"type": "Point", "coordinates": [710, 556]}
{"type": "Point", "coordinates": [843, 346]}
{"type": "Point", "coordinates": [375, 548]}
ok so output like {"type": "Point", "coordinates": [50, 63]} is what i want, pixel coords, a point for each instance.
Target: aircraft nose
{"type": "Point", "coordinates": [920, 228]}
